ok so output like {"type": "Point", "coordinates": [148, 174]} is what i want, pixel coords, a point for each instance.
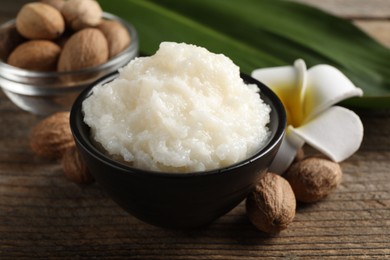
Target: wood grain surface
{"type": "Point", "coordinates": [42, 215]}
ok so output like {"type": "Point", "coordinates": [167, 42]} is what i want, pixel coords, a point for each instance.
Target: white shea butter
{"type": "Point", "coordinates": [181, 110]}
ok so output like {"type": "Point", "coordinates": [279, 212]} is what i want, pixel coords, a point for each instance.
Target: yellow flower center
{"type": "Point", "coordinates": [292, 106]}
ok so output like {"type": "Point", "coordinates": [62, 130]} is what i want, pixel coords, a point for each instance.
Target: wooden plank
{"type": "Point", "coordinates": [367, 9]}
{"type": "Point", "coordinates": [42, 215]}
{"type": "Point", "coordinates": [370, 16]}
{"type": "Point", "coordinates": [379, 30]}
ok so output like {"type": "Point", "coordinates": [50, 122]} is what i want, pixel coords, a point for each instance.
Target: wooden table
{"type": "Point", "coordinates": [42, 215]}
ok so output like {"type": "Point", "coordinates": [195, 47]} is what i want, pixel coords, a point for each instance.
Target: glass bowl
{"type": "Point", "coordinates": [178, 200]}
{"type": "Point", "coordinates": [44, 93]}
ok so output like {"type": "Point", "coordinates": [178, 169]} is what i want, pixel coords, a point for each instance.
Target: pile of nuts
{"type": "Point", "coordinates": [59, 35]}
{"type": "Point", "coordinates": [271, 206]}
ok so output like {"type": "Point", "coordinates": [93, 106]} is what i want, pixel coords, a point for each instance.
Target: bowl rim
{"type": "Point", "coordinates": [93, 151]}
{"type": "Point", "coordinates": [133, 47]}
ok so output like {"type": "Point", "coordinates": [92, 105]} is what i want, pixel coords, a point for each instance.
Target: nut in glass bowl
{"type": "Point", "coordinates": [44, 93]}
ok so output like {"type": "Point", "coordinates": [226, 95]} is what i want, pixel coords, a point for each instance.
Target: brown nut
{"type": "Point", "coordinates": [313, 178]}
{"type": "Point", "coordinates": [52, 136]}
{"type": "Point", "coordinates": [36, 55]}
{"type": "Point", "coordinates": [84, 49]}
{"type": "Point", "coordinates": [80, 14]}
{"type": "Point", "coordinates": [271, 206]}
{"type": "Point", "coordinates": [39, 21]}
{"type": "Point", "coordinates": [74, 167]}
{"type": "Point", "coordinates": [117, 36]}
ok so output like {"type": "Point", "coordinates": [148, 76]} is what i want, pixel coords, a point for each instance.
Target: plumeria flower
{"type": "Point", "coordinates": [309, 97]}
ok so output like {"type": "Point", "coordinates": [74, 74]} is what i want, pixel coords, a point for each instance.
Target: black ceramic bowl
{"type": "Point", "coordinates": [175, 200]}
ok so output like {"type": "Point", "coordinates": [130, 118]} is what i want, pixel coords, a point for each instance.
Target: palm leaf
{"type": "Point", "coordinates": [264, 33]}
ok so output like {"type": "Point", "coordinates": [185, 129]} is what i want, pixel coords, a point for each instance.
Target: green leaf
{"type": "Point", "coordinates": [264, 33]}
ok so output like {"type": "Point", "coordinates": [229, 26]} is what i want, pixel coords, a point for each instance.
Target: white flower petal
{"type": "Point", "coordinates": [279, 79]}
{"type": "Point", "coordinates": [288, 150]}
{"type": "Point", "coordinates": [337, 132]}
{"type": "Point", "coordinates": [300, 66]}
{"type": "Point", "coordinates": [326, 87]}
{"type": "Point", "coordinates": [296, 105]}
